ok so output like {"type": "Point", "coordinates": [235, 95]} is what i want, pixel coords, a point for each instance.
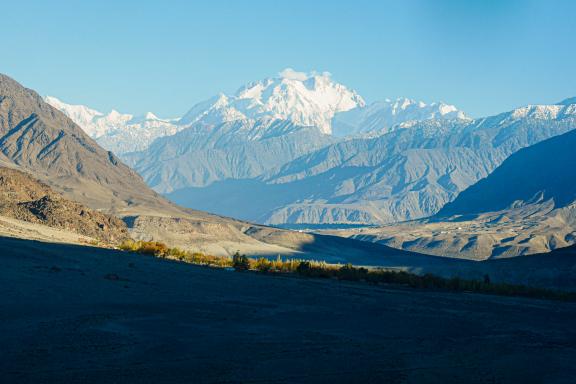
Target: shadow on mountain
{"type": "Point", "coordinates": [544, 171]}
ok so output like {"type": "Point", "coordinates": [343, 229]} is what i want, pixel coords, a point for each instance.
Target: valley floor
{"type": "Point", "coordinates": [526, 230]}
{"type": "Point", "coordinates": [77, 314]}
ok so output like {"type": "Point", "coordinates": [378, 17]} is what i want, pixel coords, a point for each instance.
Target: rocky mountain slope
{"type": "Point", "coordinates": [526, 206]}
{"type": "Point", "coordinates": [264, 125]}
{"type": "Point", "coordinates": [44, 142]}
{"type": "Point", "coordinates": [408, 173]}
{"type": "Point", "coordinates": [242, 149]}
{"type": "Point", "coordinates": [24, 198]}
{"type": "Point", "coordinates": [540, 173]}
{"type": "Point", "coordinates": [40, 139]}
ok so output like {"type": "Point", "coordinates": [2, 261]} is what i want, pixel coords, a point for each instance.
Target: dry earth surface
{"type": "Point", "coordinates": [532, 229]}
{"type": "Point", "coordinates": [10, 227]}
{"type": "Point", "coordinates": [76, 314]}
{"type": "Point", "coordinates": [24, 198]}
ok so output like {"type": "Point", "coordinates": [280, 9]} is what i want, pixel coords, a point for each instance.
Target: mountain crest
{"type": "Point", "coordinates": [568, 101]}
{"type": "Point", "coordinates": [388, 114]}
{"type": "Point", "coordinates": [305, 99]}
{"type": "Point", "coordinates": [116, 131]}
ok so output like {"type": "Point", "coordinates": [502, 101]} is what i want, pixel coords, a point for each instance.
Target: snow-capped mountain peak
{"type": "Point", "coordinates": [306, 99]}
{"type": "Point", "coordinates": [383, 116]}
{"type": "Point", "coordinates": [311, 99]}
{"type": "Point", "coordinates": [80, 114]}
{"type": "Point", "coordinates": [116, 131]}
{"type": "Point", "coordinates": [540, 112]}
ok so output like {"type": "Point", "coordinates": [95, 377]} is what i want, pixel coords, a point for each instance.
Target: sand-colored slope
{"type": "Point", "coordinates": [24, 198]}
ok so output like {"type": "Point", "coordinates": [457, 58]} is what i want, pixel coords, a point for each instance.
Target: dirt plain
{"type": "Point", "coordinates": [71, 314]}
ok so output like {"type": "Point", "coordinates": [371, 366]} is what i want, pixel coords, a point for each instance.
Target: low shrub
{"type": "Point", "coordinates": [161, 250]}
{"type": "Point", "coordinates": [320, 269]}
{"type": "Point", "coordinates": [240, 262]}
{"type": "Point", "coordinates": [262, 265]}
{"type": "Point", "coordinates": [154, 248]}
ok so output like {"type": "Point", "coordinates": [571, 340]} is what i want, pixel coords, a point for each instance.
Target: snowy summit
{"type": "Point", "coordinates": [303, 99]}
{"type": "Point", "coordinates": [118, 132]}
{"type": "Point", "coordinates": [306, 99]}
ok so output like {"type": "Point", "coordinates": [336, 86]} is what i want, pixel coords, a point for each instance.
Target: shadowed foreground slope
{"type": "Point", "coordinates": [73, 314]}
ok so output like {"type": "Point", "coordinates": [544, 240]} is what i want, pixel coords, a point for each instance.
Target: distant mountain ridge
{"type": "Point", "coordinates": [303, 99]}
{"type": "Point", "coordinates": [383, 116]}
{"type": "Point", "coordinates": [117, 132]}
{"type": "Point", "coordinates": [545, 171]}
{"type": "Point", "coordinates": [263, 126]}
{"type": "Point", "coordinates": [408, 173]}
{"type": "Point", "coordinates": [313, 152]}
{"type": "Point", "coordinates": [39, 140]}
{"type": "Point", "coordinates": [242, 149]}
{"type": "Point", "coordinates": [527, 205]}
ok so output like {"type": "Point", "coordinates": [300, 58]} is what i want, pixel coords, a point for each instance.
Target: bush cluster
{"type": "Point", "coordinates": [162, 250]}
{"type": "Point", "coordinates": [429, 281]}
{"type": "Point", "coordinates": [240, 262]}
{"type": "Point", "coordinates": [348, 272]}
{"type": "Point", "coordinates": [154, 248]}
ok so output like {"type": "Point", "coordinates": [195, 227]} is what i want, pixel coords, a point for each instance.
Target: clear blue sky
{"type": "Point", "coordinates": [485, 56]}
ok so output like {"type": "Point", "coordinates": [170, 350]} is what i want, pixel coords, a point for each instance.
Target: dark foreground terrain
{"type": "Point", "coordinates": [73, 314]}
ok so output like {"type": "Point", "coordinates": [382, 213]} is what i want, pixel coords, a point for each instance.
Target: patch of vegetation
{"type": "Point", "coordinates": [161, 250]}
{"type": "Point", "coordinates": [154, 248]}
{"type": "Point", "coordinates": [347, 272]}
{"type": "Point", "coordinates": [429, 281]}
{"type": "Point", "coordinates": [240, 262]}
